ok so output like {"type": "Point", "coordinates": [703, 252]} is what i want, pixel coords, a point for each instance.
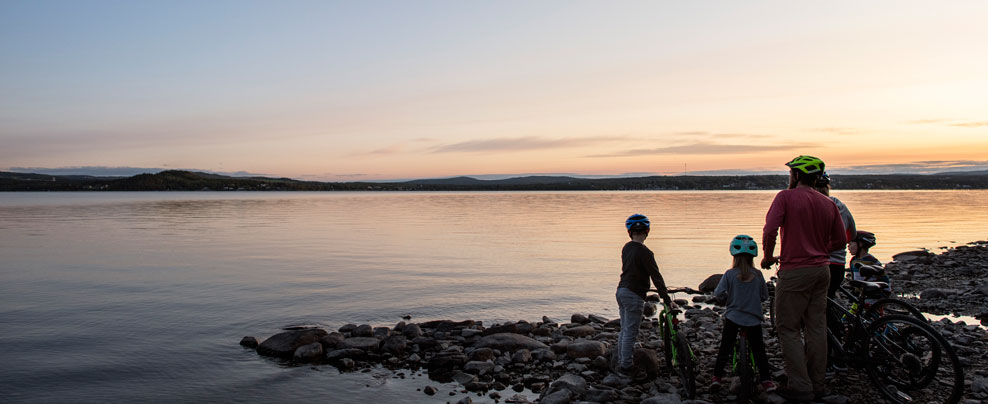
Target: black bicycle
{"type": "Point", "coordinates": [874, 302]}
{"type": "Point", "coordinates": [679, 355]}
{"type": "Point", "coordinates": [743, 365]}
{"type": "Point", "coordinates": [904, 357]}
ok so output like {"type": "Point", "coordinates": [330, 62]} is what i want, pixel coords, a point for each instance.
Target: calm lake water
{"type": "Point", "coordinates": [143, 297]}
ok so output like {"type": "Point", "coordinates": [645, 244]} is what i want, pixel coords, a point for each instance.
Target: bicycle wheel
{"type": "Point", "coordinates": [687, 366]}
{"type": "Point", "coordinates": [910, 362]}
{"type": "Point", "coordinates": [667, 347]}
{"type": "Point", "coordinates": [745, 372]}
{"type": "Point", "coordinates": [890, 306]}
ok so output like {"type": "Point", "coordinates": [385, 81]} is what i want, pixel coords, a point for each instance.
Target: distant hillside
{"type": "Point", "coordinates": [196, 181]}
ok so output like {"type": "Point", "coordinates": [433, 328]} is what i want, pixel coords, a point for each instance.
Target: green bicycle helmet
{"type": "Point", "coordinates": [744, 244]}
{"type": "Point", "coordinates": [807, 164]}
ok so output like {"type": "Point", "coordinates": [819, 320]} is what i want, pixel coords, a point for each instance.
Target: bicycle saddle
{"type": "Point", "coordinates": [869, 287]}
{"type": "Point", "coordinates": [871, 270]}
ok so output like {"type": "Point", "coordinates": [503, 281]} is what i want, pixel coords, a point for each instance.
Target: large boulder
{"type": "Point", "coordinates": [708, 285]}
{"type": "Point", "coordinates": [363, 343]}
{"type": "Point", "coordinates": [284, 344]}
{"type": "Point", "coordinates": [585, 349]}
{"type": "Point", "coordinates": [579, 331]}
{"type": "Point", "coordinates": [578, 318]}
{"type": "Point", "coordinates": [509, 342]}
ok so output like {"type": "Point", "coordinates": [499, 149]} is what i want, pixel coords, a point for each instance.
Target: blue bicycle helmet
{"type": "Point", "coordinates": [637, 222]}
{"type": "Point", "coordinates": [744, 244]}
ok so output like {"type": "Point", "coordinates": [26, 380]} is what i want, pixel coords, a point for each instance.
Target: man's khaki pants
{"type": "Point", "coordinates": [801, 305]}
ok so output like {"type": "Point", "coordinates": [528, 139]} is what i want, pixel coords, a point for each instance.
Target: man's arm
{"type": "Point", "coordinates": [774, 219]}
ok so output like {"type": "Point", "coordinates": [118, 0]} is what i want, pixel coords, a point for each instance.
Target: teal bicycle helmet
{"type": "Point", "coordinates": [744, 244]}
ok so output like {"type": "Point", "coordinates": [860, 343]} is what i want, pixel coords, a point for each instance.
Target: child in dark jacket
{"type": "Point", "coordinates": [743, 290]}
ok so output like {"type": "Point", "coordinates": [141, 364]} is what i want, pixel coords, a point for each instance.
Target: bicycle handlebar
{"type": "Point", "coordinates": [679, 290]}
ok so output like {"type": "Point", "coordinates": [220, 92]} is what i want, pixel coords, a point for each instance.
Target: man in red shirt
{"type": "Point", "coordinates": [811, 228]}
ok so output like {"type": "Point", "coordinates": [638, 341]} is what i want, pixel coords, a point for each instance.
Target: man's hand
{"type": "Point", "coordinates": [767, 262]}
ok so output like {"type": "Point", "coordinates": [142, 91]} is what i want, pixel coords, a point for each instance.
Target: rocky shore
{"type": "Point", "coordinates": [553, 362]}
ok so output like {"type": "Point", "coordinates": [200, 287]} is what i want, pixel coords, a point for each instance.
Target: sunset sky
{"type": "Point", "coordinates": [362, 90]}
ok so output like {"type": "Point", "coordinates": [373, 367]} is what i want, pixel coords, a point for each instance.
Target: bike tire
{"type": "Point", "coordinates": [746, 373]}
{"type": "Point", "coordinates": [905, 356]}
{"type": "Point", "coordinates": [890, 306]}
{"type": "Point", "coordinates": [667, 348]}
{"type": "Point", "coordinates": [687, 366]}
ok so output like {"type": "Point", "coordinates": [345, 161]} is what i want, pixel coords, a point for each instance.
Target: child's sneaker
{"type": "Point", "coordinates": [715, 384]}
{"type": "Point", "coordinates": [768, 386]}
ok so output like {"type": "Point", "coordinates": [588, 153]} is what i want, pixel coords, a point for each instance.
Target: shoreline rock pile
{"type": "Point", "coordinates": [953, 282]}
{"type": "Point", "coordinates": [570, 362]}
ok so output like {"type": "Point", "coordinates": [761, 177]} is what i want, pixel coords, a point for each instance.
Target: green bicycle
{"type": "Point", "coordinates": [678, 353]}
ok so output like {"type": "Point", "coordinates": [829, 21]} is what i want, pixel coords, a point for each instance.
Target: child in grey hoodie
{"type": "Point", "coordinates": [743, 290]}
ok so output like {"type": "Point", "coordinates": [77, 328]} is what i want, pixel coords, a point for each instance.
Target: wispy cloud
{"type": "Point", "coordinates": [951, 122]}
{"type": "Point", "coordinates": [928, 121]}
{"type": "Point", "coordinates": [837, 130]}
{"type": "Point", "coordinates": [715, 135]}
{"type": "Point", "coordinates": [524, 144]}
{"type": "Point", "coordinates": [970, 124]}
{"type": "Point", "coordinates": [706, 148]}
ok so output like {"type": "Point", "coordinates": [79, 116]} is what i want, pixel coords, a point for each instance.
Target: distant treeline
{"type": "Point", "coordinates": [197, 181]}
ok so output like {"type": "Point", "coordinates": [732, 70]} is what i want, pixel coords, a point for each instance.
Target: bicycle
{"type": "Point", "coordinates": [679, 355]}
{"type": "Point", "coordinates": [884, 305]}
{"type": "Point", "coordinates": [904, 357]}
{"type": "Point", "coordinates": [743, 364]}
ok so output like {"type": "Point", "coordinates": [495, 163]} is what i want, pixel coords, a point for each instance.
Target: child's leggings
{"type": "Point", "coordinates": [755, 344]}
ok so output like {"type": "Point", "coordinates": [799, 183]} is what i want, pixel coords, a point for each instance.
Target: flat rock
{"type": "Point", "coordinates": [579, 319]}
{"type": "Point", "coordinates": [601, 395]}
{"type": "Point", "coordinates": [663, 399]}
{"type": "Point", "coordinates": [285, 343]}
{"type": "Point", "coordinates": [509, 342]}
{"type": "Point", "coordinates": [503, 328]}
{"type": "Point", "coordinates": [579, 331]}
{"type": "Point", "coordinates": [362, 343]}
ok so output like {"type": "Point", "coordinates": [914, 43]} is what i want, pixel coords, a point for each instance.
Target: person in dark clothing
{"type": "Point", "coordinates": [638, 266]}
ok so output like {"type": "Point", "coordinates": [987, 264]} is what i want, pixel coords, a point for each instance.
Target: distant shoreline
{"type": "Point", "coordinates": [198, 181]}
